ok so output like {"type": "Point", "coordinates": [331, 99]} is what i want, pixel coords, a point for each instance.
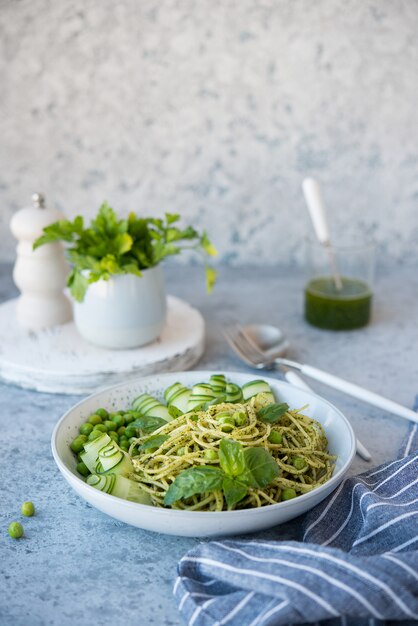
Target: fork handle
{"type": "Point", "coordinates": [359, 392]}
{"type": "Point", "coordinates": [295, 380]}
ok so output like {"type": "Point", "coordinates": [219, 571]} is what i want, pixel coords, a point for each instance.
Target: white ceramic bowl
{"type": "Point", "coordinates": [195, 523]}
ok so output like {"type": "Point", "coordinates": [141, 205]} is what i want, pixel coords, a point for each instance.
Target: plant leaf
{"type": "Point", "coordinates": [192, 481]}
{"type": "Point", "coordinates": [155, 441]}
{"type": "Point", "coordinates": [207, 246]}
{"type": "Point", "coordinates": [211, 275]}
{"type": "Point", "coordinates": [261, 468]}
{"type": "Point", "coordinates": [234, 491]}
{"type": "Point", "coordinates": [174, 411]}
{"type": "Point", "coordinates": [231, 457]}
{"type": "Point", "coordinates": [78, 284]}
{"type": "Point", "coordinates": [273, 412]}
{"type": "Point", "coordinates": [147, 424]}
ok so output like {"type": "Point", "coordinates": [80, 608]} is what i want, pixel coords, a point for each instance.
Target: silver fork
{"type": "Point", "coordinates": [251, 354]}
{"type": "Point", "coordinates": [265, 360]}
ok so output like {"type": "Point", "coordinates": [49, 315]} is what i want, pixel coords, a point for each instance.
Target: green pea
{"type": "Point", "coordinates": [102, 413]}
{"type": "Point", "coordinates": [113, 435]}
{"type": "Point", "coordinates": [123, 439]}
{"type": "Point", "coordinates": [79, 456]}
{"type": "Point", "coordinates": [275, 437]}
{"type": "Point", "coordinates": [15, 530]}
{"type": "Point", "coordinates": [240, 418]}
{"type": "Point", "coordinates": [109, 425]}
{"type": "Point", "coordinates": [124, 446]}
{"type": "Point", "coordinates": [82, 469]}
{"type": "Point", "coordinates": [121, 430]}
{"type": "Point", "coordinates": [211, 455]}
{"type": "Point", "coordinates": [28, 509]}
{"type": "Point", "coordinates": [95, 419]}
{"type": "Point", "coordinates": [130, 432]}
{"type": "Point", "coordinates": [298, 462]}
{"type": "Point", "coordinates": [77, 444]}
{"type": "Point", "coordinates": [181, 452]}
{"type": "Point", "coordinates": [101, 427]}
{"type": "Point", "coordinates": [288, 494]}
{"type": "Point", "coordinates": [227, 423]}
{"type": "Point", "coordinates": [129, 418]}
{"type": "Point", "coordinates": [95, 434]}
{"type": "Point", "coordinates": [118, 420]}
{"type": "Point", "coordinates": [85, 429]}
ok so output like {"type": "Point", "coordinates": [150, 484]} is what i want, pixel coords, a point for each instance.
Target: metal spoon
{"type": "Point", "coordinates": [271, 341]}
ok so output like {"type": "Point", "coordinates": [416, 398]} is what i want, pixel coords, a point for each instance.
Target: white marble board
{"type": "Point", "coordinates": [58, 360]}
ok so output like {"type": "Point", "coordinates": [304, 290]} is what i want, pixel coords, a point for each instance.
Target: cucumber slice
{"type": "Point", "coordinates": [218, 383]}
{"type": "Point", "coordinates": [92, 449]}
{"type": "Point", "coordinates": [119, 486]}
{"type": "Point", "coordinates": [171, 391]}
{"type": "Point", "coordinates": [180, 399]}
{"type": "Point", "coordinates": [151, 407]}
{"type": "Point", "coordinates": [233, 393]}
{"type": "Point", "coordinates": [254, 387]}
{"type": "Point", "coordinates": [201, 394]}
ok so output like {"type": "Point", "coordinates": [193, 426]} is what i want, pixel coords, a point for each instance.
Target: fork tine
{"type": "Point", "coordinates": [239, 342]}
{"type": "Point", "coordinates": [231, 339]}
{"type": "Point", "coordinates": [250, 342]}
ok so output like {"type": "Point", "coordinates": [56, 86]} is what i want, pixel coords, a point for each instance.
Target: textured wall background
{"type": "Point", "coordinates": [218, 109]}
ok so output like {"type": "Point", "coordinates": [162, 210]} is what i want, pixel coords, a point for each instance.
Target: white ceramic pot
{"type": "Point", "coordinates": [125, 311]}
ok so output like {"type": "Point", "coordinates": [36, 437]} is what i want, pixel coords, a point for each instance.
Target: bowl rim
{"type": "Point", "coordinates": [163, 512]}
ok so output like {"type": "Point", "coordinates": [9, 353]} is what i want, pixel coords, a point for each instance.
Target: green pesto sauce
{"type": "Point", "coordinates": [326, 307]}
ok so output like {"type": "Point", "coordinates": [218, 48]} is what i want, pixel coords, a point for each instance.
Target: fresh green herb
{"type": "Point", "coordinates": [261, 467]}
{"type": "Point", "coordinates": [110, 245]}
{"type": "Point", "coordinates": [146, 423]}
{"type": "Point", "coordinates": [192, 481]}
{"type": "Point", "coordinates": [28, 509]}
{"type": "Point", "coordinates": [273, 412]}
{"type": "Point", "coordinates": [239, 469]}
{"type": "Point", "coordinates": [234, 490]}
{"type": "Point", "coordinates": [174, 411]}
{"type": "Point", "coordinates": [231, 458]}
{"type": "Point", "coordinates": [153, 442]}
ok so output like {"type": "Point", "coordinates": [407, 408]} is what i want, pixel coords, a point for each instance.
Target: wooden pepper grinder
{"type": "Point", "coordinates": [39, 274]}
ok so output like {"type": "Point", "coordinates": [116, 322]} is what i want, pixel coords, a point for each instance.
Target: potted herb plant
{"type": "Point", "coordinates": [116, 279]}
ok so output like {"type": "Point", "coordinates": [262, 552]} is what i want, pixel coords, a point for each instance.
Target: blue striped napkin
{"type": "Point", "coordinates": [352, 560]}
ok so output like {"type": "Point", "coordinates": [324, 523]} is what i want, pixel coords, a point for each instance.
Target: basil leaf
{"type": "Point", "coordinates": [234, 491]}
{"type": "Point", "coordinates": [194, 480]}
{"type": "Point", "coordinates": [148, 424]}
{"type": "Point", "coordinates": [155, 441]}
{"type": "Point", "coordinates": [261, 468]}
{"type": "Point", "coordinates": [174, 411]}
{"type": "Point", "coordinates": [273, 412]}
{"type": "Point", "coordinates": [231, 457]}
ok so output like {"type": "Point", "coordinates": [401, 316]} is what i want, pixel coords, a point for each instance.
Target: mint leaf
{"type": "Point", "coordinates": [147, 424]}
{"type": "Point", "coordinates": [155, 441]}
{"type": "Point", "coordinates": [234, 491]}
{"type": "Point", "coordinates": [174, 411]}
{"type": "Point", "coordinates": [273, 412]}
{"type": "Point", "coordinates": [231, 457]}
{"type": "Point", "coordinates": [192, 481]}
{"type": "Point", "coordinates": [261, 468]}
